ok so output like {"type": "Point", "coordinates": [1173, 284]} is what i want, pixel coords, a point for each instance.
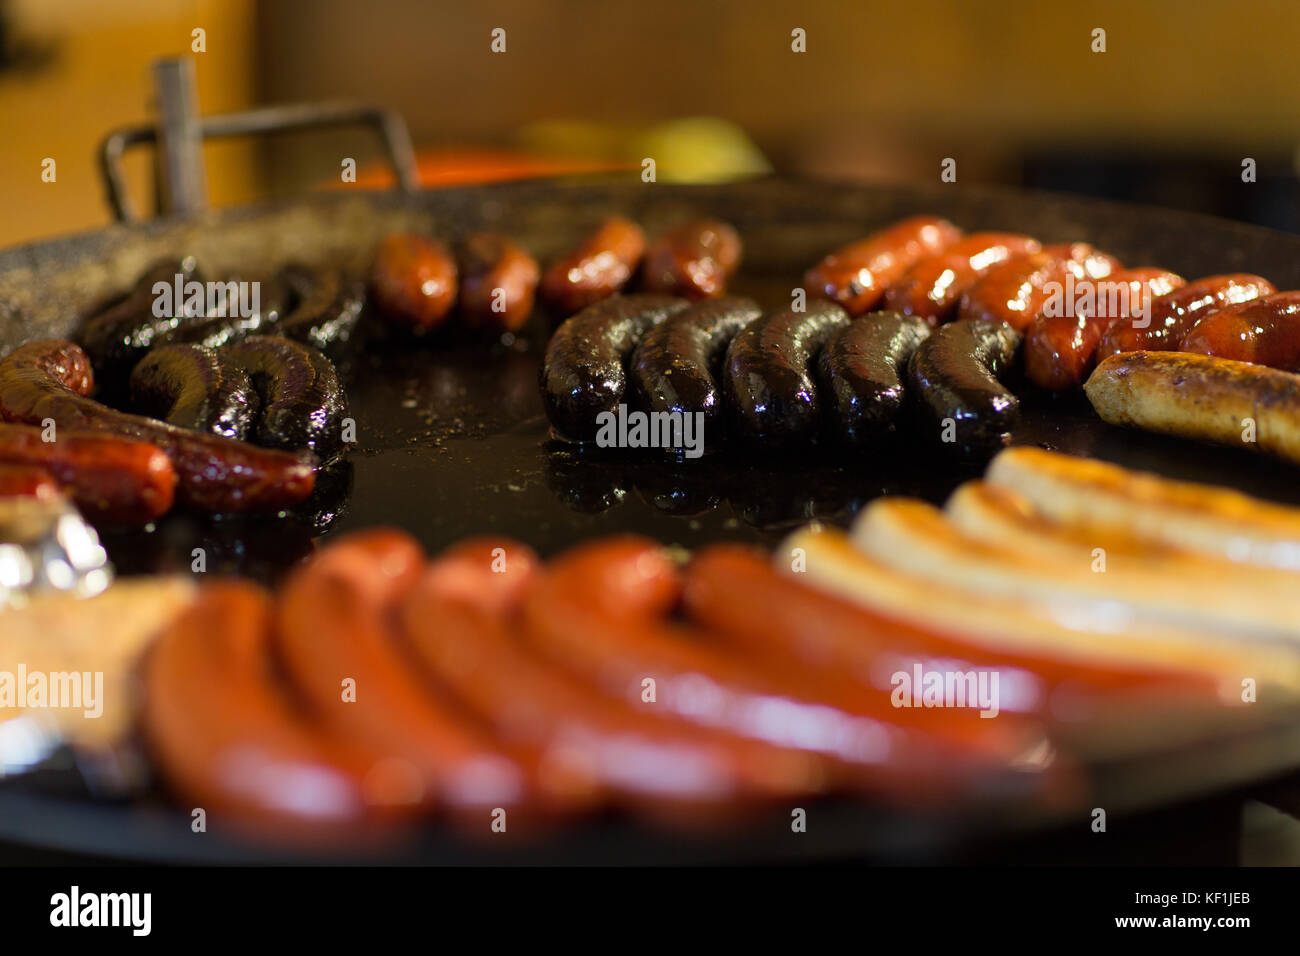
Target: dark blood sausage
{"type": "Point", "coordinates": [324, 307]}
{"type": "Point", "coordinates": [302, 401]}
{"type": "Point", "coordinates": [583, 374]}
{"type": "Point", "coordinates": [673, 369]}
{"type": "Point", "coordinates": [933, 287]}
{"type": "Point", "coordinates": [768, 376]}
{"type": "Point", "coordinates": [955, 375]}
{"type": "Point", "coordinates": [1060, 349]}
{"type": "Point", "coordinates": [52, 379]}
{"type": "Point", "coordinates": [413, 282]}
{"type": "Point", "coordinates": [1262, 331]}
{"type": "Point", "coordinates": [226, 322]}
{"type": "Point", "coordinates": [599, 267]}
{"type": "Point", "coordinates": [118, 337]}
{"type": "Point", "coordinates": [191, 387]}
{"type": "Point", "coordinates": [1173, 315]}
{"type": "Point", "coordinates": [113, 480]}
{"type": "Point", "coordinates": [861, 374]}
{"type": "Point", "coordinates": [1015, 291]}
{"type": "Point", "coordinates": [695, 260]}
{"type": "Point", "coordinates": [28, 481]}
{"type": "Point", "coordinates": [498, 281]}
{"type": "Point", "coordinates": [856, 275]}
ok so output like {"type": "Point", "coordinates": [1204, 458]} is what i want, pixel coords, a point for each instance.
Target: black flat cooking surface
{"type": "Point", "coordinates": [452, 442]}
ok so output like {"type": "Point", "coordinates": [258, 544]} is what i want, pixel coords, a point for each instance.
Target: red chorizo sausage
{"type": "Point", "coordinates": [601, 265]}
{"type": "Point", "coordinates": [24, 481]}
{"type": "Point", "coordinates": [1173, 315]}
{"type": "Point", "coordinates": [1261, 331]}
{"type": "Point", "coordinates": [856, 275]}
{"type": "Point", "coordinates": [696, 260]}
{"type": "Point", "coordinates": [1060, 350]}
{"type": "Point", "coordinates": [1015, 291]}
{"type": "Point", "coordinates": [933, 287]}
{"type": "Point", "coordinates": [413, 282]}
{"type": "Point", "coordinates": [498, 281]}
{"type": "Point", "coordinates": [52, 379]}
{"type": "Point", "coordinates": [113, 480]}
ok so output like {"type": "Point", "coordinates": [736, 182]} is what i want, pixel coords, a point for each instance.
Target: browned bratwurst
{"type": "Point", "coordinates": [856, 276]}
{"type": "Point", "coordinates": [600, 266]}
{"type": "Point", "coordinates": [498, 281]}
{"type": "Point", "coordinates": [413, 281]}
{"type": "Point", "coordinates": [933, 287]}
{"type": "Point", "coordinates": [51, 379]}
{"type": "Point", "coordinates": [696, 260]}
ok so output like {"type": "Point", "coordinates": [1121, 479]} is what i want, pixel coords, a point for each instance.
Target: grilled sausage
{"type": "Point", "coordinates": [1060, 348]}
{"type": "Point", "coordinates": [582, 373]}
{"type": "Point", "coordinates": [600, 266]}
{"type": "Point", "coordinates": [933, 287]}
{"type": "Point", "coordinates": [673, 368]}
{"type": "Point", "coordinates": [1263, 331]}
{"type": "Point", "coordinates": [51, 379]}
{"type": "Point", "coordinates": [1198, 396]}
{"type": "Point", "coordinates": [695, 260]}
{"type": "Point", "coordinates": [413, 282]}
{"type": "Point", "coordinates": [861, 372]}
{"type": "Point", "coordinates": [191, 387]}
{"type": "Point", "coordinates": [1173, 315]}
{"type": "Point", "coordinates": [325, 305]}
{"type": "Point", "coordinates": [113, 480]}
{"type": "Point", "coordinates": [26, 481]}
{"type": "Point", "coordinates": [301, 401]}
{"type": "Point", "coordinates": [1016, 291]}
{"type": "Point", "coordinates": [768, 377]}
{"type": "Point", "coordinates": [498, 281]}
{"type": "Point", "coordinates": [857, 275]}
{"type": "Point", "coordinates": [956, 375]}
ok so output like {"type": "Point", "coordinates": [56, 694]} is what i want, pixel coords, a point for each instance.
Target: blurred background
{"type": "Point", "coordinates": [1010, 89]}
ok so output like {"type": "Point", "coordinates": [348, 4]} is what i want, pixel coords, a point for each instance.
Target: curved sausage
{"type": "Point", "coordinates": [498, 281]}
{"type": "Point", "coordinates": [695, 260]}
{"type": "Point", "coordinates": [325, 307]}
{"type": "Point", "coordinates": [1173, 315]}
{"type": "Point", "coordinates": [956, 375]}
{"type": "Point", "coordinates": [1016, 291]}
{"type": "Point", "coordinates": [52, 379]}
{"type": "Point", "coordinates": [191, 387]}
{"type": "Point", "coordinates": [413, 282]}
{"type": "Point", "coordinates": [302, 403]}
{"type": "Point", "coordinates": [768, 376]}
{"type": "Point", "coordinates": [582, 373]}
{"type": "Point", "coordinates": [933, 287]}
{"type": "Point", "coordinates": [861, 372]}
{"type": "Point", "coordinates": [672, 369]}
{"type": "Point", "coordinates": [856, 276]}
{"type": "Point", "coordinates": [1060, 349]}
{"type": "Point", "coordinates": [600, 266]}
{"type": "Point", "coordinates": [226, 738]}
{"type": "Point", "coordinates": [1260, 331]}
{"type": "Point", "coordinates": [113, 480]}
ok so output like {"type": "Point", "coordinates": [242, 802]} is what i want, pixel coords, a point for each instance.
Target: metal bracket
{"type": "Point", "coordinates": [180, 132]}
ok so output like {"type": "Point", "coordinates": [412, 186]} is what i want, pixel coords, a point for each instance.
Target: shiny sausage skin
{"type": "Point", "coordinates": [1173, 315]}
{"type": "Point", "coordinates": [413, 282]}
{"type": "Point", "coordinates": [1060, 350]}
{"type": "Point", "coordinates": [191, 387]}
{"type": "Point", "coordinates": [334, 623]}
{"type": "Point", "coordinates": [659, 766]}
{"type": "Point", "coordinates": [856, 276]}
{"type": "Point", "coordinates": [224, 736]}
{"type": "Point", "coordinates": [599, 267]}
{"type": "Point", "coordinates": [673, 368]}
{"type": "Point", "coordinates": [768, 375]}
{"type": "Point", "coordinates": [301, 401]}
{"type": "Point", "coordinates": [113, 480]}
{"type": "Point", "coordinates": [583, 371]}
{"type": "Point", "coordinates": [324, 308]}
{"type": "Point", "coordinates": [52, 379]}
{"type": "Point", "coordinates": [490, 262]}
{"type": "Point", "coordinates": [1262, 331]}
{"type": "Point", "coordinates": [861, 372]}
{"type": "Point", "coordinates": [696, 260]}
{"type": "Point", "coordinates": [1015, 291]}
{"type": "Point", "coordinates": [933, 287]}
{"type": "Point", "coordinates": [956, 374]}
{"type": "Point", "coordinates": [26, 481]}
